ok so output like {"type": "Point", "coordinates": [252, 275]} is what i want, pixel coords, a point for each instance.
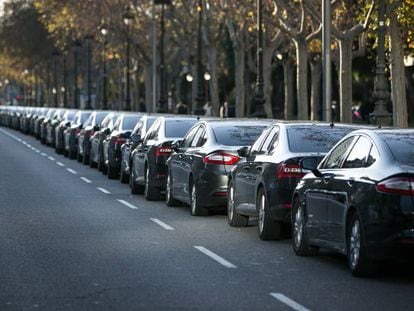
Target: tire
{"type": "Point", "coordinates": [356, 249]}
{"type": "Point", "coordinates": [86, 159]}
{"type": "Point", "coordinates": [268, 229]}
{"type": "Point", "coordinates": [92, 164]}
{"type": "Point", "coordinates": [233, 217]}
{"type": "Point", "coordinates": [151, 193]}
{"type": "Point", "coordinates": [124, 178]}
{"type": "Point", "coordinates": [299, 234]}
{"type": "Point", "coordinates": [71, 154]}
{"type": "Point", "coordinates": [169, 199]}
{"type": "Point", "coordinates": [112, 173]}
{"type": "Point", "coordinates": [79, 157]}
{"type": "Point", "coordinates": [135, 188]}
{"type": "Point", "coordinates": [196, 208]}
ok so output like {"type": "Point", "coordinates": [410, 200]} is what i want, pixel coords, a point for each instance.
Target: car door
{"type": "Point", "coordinates": [245, 175]}
{"type": "Point", "coordinates": [345, 183]}
{"type": "Point", "coordinates": [318, 193]}
{"type": "Point", "coordinates": [180, 166]}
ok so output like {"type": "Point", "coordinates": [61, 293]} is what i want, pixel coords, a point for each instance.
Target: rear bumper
{"type": "Point", "coordinates": [212, 189]}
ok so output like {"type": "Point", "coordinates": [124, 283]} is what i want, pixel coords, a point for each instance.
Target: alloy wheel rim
{"type": "Point", "coordinates": [167, 192]}
{"type": "Point", "coordinates": [261, 212]}
{"type": "Point", "coordinates": [193, 199]}
{"type": "Point", "coordinates": [146, 181]}
{"type": "Point", "coordinates": [230, 205]}
{"type": "Point", "coordinates": [355, 243]}
{"type": "Point", "coordinates": [298, 227]}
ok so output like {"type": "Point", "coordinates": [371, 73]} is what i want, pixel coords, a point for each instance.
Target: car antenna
{"type": "Point", "coordinates": [332, 124]}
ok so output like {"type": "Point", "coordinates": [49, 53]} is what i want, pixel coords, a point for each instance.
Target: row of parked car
{"type": "Point", "coordinates": [348, 188]}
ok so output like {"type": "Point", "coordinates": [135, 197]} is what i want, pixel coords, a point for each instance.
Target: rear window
{"type": "Point", "coordinates": [402, 147]}
{"type": "Point", "coordinates": [100, 117]}
{"type": "Point", "coordinates": [129, 122]}
{"type": "Point", "coordinates": [85, 116]}
{"type": "Point", "coordinates": [237, 135]}
{"type": "Point", "coordinates": [178, 128]}
{"type": "Point", "coordinates": [315, 139]}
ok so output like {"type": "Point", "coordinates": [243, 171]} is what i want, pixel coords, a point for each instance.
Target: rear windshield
{"type": "Point", "coordinates": [178, 128]}
{"type": "Point", "coordinates": [100, 117]}
{"type": "Point", "coordinates": [237, 135]}
{"type": "Point", "coordinates": [315, 139]}
{"type": "Point", "coordinates": [129, 122]}
{"type": "Point", "coordinates": [85, 116]}
{"type": "Point", "coordinates": [402, 146]}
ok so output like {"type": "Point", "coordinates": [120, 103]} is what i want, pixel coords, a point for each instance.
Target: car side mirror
{"type": "Point", "coordinates": [107, 131]}
{"type": "Point", "coordinates": [96, 128]}
{"type": "Point", "coordinates": [311, 164]}
{"type": "Point", "coordinates": [176, 145]}
{"type": "Point", "coordinates": [136, 138]}
{"type": "Point", "coordinates": [243, 152]}
{"type": "Point", "coordinates": [67, 124]}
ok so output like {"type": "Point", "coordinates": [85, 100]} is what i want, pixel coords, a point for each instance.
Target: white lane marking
{"type": "Point", "coordinates": [103, 190]}
{"type": "Point", "coordinates": [51, 158]}
{"type": "Point", "coordinates": [214, 256]}
{"type": "Point", "coordinates": [44, 154]}
{"type": "Point", "coordinates": [60, 164]}
{"type": "Point", "coordinates": [71, 171]}
{"type": "Point", "coordinates": [86, 180]}
{"type": "Point", "coordinates": [33, 148]}
{"type": "Point", "coordinates": [127, 204]}
{"type": "Point", "coordinates": [162, 224]}
{"type": "Point", "coordinates": [38, 151]}
{"type": "Point", "coordinates": [29, 145]}
{"type": "Point", "coordinates": [287, 301]}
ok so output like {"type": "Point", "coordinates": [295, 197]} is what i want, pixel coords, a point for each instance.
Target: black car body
{"type": "Point", "coordinates": [91, 125]}
{"type": "Point", "coordinates": [96, 157]}
{"type": "Point", "coordinates": [359, 201]}
{"type": "Point", "coordinates": [43, 125]}
{"type": "Point", "coordinates": [148, 166]}
{"type": "Point", "coordinates": [123, 127]}
{"type": "Point", "coordinates": [67, 119]}
{"type": "Point", "coordinates": [199, 167]}
{"type": "Point", "coordinates": [139, 131]}
{"type": "Point", "coordinates": [70, 134]}
{"type": "Point", "coordinates": [263, 184]}
{"type": "Point", "coordinates": [51, 127]}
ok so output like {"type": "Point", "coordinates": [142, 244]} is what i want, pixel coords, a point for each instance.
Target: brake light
{"type": "Point", "coordinates": [221, 158]}
{"type": "Point", "coordinates": [119, 140]}
{"type": "Point", "coordinates": [163, 151]}
{"type": "Point", "coordinates": [397, 185]}
{"type": "Point", "coordinates": [289, 171]}
{"type": "Point", "coordinates": [77, 131]}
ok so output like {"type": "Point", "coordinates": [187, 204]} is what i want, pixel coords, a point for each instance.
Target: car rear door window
{"type": "Point", "coordinates": [188, 139]}
{"type": "Point", "coordinates": [271, 141]}
{"type": "Point", "coordinates": [337, 155]}
{"type": "Point", "coordinates": [358, 156]}
{"type": "Point", "coordinates": [256, 147]}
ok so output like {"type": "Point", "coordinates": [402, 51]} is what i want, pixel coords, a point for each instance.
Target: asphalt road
{"type": "Point", "coordinates": [70, 239]}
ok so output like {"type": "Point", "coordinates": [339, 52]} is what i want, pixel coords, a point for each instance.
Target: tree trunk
{"type": "Point", "coordinates": [239, 70]}
{"type": "Point", "coordinates": [316, 73]}
{"type": "Point", "coordinates": [289, 111]}
{"type": "Point", "coordinates": [267, 79]}
{"type": "Point", "coordinates": [302, 79]}
{"type": "Point", "coordinates": [345, 80]}
{"type": "Point", "coordinates": [148, 86]}
{"type": "Point", "coordinates": [213, 83]}
{"type": "Point", "coordinates": [398, 87]}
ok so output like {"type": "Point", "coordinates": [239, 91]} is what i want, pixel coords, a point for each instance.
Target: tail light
{"type": "Point", "coordinates": [221, 158]}
{"type": "Point", "coordinates": [163, 151]}
{"type": "Point", "coordinates": [91, 133]}
{"type": "Point", "coordinates": [289, 171]}
{"type": "Point", "coordinates": [397, 185]}
{"type": "Point", "coordinates": [119, 141]}
{"type": "Point", "coordinates": [77, 131]}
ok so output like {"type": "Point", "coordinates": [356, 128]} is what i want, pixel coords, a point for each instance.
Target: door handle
{"type": "Point", "coordinates": [327, 178]}
{"type": "Point", "coordinates": [259, 168]}
{"type": "Point", "coordinates": [351, 182]}
{"type": "Point", "coordinates": [246, 168]}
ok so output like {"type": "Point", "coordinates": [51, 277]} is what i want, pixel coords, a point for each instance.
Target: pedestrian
{"type": "Point", "coordinates": [181, 108]}
{"type": "Point", "coordinates": [207, 109]}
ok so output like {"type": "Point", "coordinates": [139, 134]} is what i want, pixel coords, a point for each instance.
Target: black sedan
{"type": "Point", "coordinates": [70, 134]}
{"type": "Point", "coordinates": [68, 117]}
{"type": "Point", "coordinates": [359, 201]}
{"type": "Point", "coordinates": [263, 184]}
{"type": "Point", "coordinates": [198, 169]}
{"type": "Point", "coordinates": [148, 165]}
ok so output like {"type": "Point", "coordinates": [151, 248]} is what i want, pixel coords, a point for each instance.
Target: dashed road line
{"type": "Point", "coordinates": [38, 151]}
{"type": "Point", "coordinates": [51, 158]}
{"type": "Point", "coordinates": [289, 302]}
{"type": "Point", "coordinates": [44, 154]}
{"type": "Point", "coordinates": [216, 257]}
{"type": "Point", "coordinates": [86, 180]}
{"type": "Point", "coordinates": [162, 224]}
{"type": "Point", "coordinates": [127, 204]}
{"type": "Point", "coordinates": [60, 164]}
{"type": "Point", "coordinates": [103, 190]}
{"type": "Point", "coordinates": [71, 171]}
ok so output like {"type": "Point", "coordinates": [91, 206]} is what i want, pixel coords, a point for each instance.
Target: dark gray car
{"type": "Point", "coordinates": [198, 169]}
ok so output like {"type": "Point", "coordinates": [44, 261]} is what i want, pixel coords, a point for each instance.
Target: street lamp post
{"type": "Point", "coordinates": [104, 32]}
{"type": "Point", "coordinates": [128, 17]}
{"type": "Point", "coordinates": [55, 77]}
{"type": "Point", "coordinates": [76, 46]}
{"type": "Point", "coordinates": [89, 69]}
{"type": "Point", "coordinates": [259, 98]}
{"type": "Point", "coordinates": [200, 98]}
{"type": "Point", "coordinates": [65, 87]}
{"type": "Point", "coordinates": [380, 115]}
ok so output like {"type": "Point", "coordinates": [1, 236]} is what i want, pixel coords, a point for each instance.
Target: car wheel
{"type": "Point", "coordinates": [196, 208]}
{"type": "Point", "coordinates": [169, 199]}
{"type": "Point", "coordinates": [79, 157]}
{"type": "Point", "coordinates": [268, 229]}
{"type": "Point", "coordinates": [233, 217]}
{"type": "Point", "coordinates": [299, 236]}
{"type": "Point", "coordinates": [85, 159]}
{"type": "Point", "coordinates": [356, 251]}
{"type": "Point", "coordinates": [124, 178]}
{"type": "Point", "coordinates": [112, 173]}
{"type": "Point", "coordinates": [151, 193]}
{"type": "Point", "coordinates": [135, 188]}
